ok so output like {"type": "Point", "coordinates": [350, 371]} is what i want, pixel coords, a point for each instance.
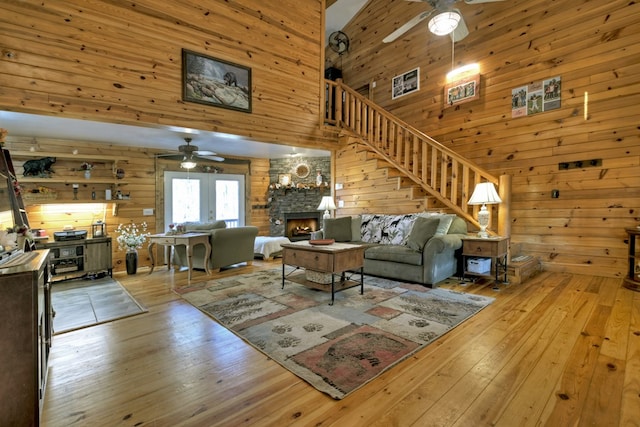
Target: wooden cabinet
{"type": "Point", "coordinates": [632, 281]}
{"type": "Point", "coordinates": [492, 251]}
{"type": "Point", "coordinates": [76, 258]}
{"type": "Point", "coordinates": [68, 183]}
{"type": "Point", "coordinates": [98, 255]}
{"type": "Point", "coordinates": [25, 339]}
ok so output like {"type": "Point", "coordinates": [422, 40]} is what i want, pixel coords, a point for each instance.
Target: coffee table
{"type": "Point", "coordinates": [334, 259]}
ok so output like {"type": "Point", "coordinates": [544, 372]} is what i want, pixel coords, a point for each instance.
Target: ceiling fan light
{"type": "Point", "coordinates": [188, 164]}
{"type": "Point", "coordinates": [444, 23]}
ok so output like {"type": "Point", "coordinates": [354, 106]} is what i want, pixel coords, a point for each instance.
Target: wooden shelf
{"type": "Point", "coordinates": [63, 185]}
{"type": "Point", "coordinates": [69, 181]}
{"type": "Point", "coordinates": [68, 156]}
{"type": "Point", "coordinates": [66, 201]}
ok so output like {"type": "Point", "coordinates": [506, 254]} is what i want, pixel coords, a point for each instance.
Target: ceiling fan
{"type": "Point", "coordinates": [190, 153]}
{"type": "Point", "coordinates": [445, 20]}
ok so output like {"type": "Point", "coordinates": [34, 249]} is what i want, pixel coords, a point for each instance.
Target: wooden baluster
{"type": "Point", "coordinates": [453, 196]}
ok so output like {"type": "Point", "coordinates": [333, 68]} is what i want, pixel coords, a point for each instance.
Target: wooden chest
{"type": "Point", "coordinates": [522, 268]}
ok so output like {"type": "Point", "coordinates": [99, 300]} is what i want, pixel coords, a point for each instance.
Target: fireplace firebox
{"type": "Point", "coordinates": [300, 225]}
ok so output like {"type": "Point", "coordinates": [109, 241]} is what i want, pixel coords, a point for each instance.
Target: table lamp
{"type": "Point", "coordinates": [326, 205]}
{"type": "Point", "coordinates": [484, 194]}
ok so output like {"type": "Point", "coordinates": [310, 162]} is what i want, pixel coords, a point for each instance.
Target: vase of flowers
{"type": "Point", "coordinates": [86, 167]}
{"type": "Point", "coordinates": [24, 238]}
{"type": "Point", "coordinates": [131, 238]}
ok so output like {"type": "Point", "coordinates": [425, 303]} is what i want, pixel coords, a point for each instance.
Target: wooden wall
{"type": "Point", "coordinates": [143, 182]}
{"type": "Point", "coordinates": [594, 46]}
{"type": "Point", "coordinates": [139, 178]}
{"type": "Point", "coordinates": [120, 62]}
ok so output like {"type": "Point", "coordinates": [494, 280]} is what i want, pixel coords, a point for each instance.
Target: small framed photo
{"type": "Point", "coordinates": [284, 179]}
{"type": "Point", "coordinates": [212, 81]}
{"type": "Point", "coordinates": [464, 89]}
{"type": "Point", "coordinates": [405, 83]}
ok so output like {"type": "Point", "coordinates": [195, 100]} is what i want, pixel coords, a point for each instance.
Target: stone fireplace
{"type": "Point", "coordinates": [293, 208]}
{"type": "Point", "coordinates": [300, 225]}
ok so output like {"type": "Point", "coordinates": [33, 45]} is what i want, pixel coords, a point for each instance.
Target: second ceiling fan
{"type": "Point", "coordinates": [445, 20]}
{"type": "Point", "coordinates": [190, 153]}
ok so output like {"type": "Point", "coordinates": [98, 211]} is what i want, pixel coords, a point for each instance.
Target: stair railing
{"type": "Point", "coordinates": [440, 171]}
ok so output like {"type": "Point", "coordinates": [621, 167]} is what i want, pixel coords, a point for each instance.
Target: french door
{"type": "Point", "coordinates": [204, 197]}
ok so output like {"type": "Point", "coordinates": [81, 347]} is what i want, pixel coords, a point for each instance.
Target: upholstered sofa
{"type": "Point", "coordinates": [228, 245]}
{"type": "Point", "coordinates": [419, 248]}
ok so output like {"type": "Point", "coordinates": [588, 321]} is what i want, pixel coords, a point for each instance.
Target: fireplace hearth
{"type": "Point", "coordinates": [300, 225]}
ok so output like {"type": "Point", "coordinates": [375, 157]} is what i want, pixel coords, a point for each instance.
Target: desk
{"type": "Point", "coordinates": [334, 259]}
{"type": "Point", "coordinates": [187, 239]}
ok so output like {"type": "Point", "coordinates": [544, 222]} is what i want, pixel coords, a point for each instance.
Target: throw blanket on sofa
{"type": "Point", "coordinates": [387, 229]}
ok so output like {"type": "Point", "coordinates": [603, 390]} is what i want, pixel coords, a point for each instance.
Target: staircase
{"type": "Point", "coordinates": [439, 171]}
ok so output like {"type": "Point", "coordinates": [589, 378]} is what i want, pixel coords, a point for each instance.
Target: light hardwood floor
{"type": "Point", "coordinates": [559, 350]}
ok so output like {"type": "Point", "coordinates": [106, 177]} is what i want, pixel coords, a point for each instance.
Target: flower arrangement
{"type": "Point", "coordinates": [86, 166]}
{"type": "Point", "coordinates": [131, 236]}
{"type": "Point", "coordinates": [22, 231]}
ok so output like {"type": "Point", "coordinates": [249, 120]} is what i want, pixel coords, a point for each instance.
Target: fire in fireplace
{"type": "Point", "coordinates": [300, 225]}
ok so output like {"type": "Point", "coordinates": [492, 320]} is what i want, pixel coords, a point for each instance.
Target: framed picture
{"type": "Point", "coordinates": [464, 88]}
{"type": "Point", "coordinates": [536, 97]}
{"type": "Point", "coordinates": [212, 81]}
{"type": "Point", "coordinates": [405, 83]}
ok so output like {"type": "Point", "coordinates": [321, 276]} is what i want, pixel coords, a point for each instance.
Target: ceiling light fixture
{"type": "Point", "coordinates": [188, 163]}
{"type": "Point", "coordinates": [444, 23]}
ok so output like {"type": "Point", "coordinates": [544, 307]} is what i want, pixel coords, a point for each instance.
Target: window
{"type": "Point", "coordinates": [203, 197]}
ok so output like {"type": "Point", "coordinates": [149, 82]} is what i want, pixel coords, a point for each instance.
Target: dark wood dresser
{"type": "Point", "coordinates": [25, 339]}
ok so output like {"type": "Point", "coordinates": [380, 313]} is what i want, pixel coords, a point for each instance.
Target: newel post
{"type": "Point", "coordinates": [504, 208]}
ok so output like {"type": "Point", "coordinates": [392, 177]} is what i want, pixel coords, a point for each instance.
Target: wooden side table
{"type": "Point", "coordinates": [632, 281]}
{"type": "Point", "coordinates": [187, 239]}
{"type": "Point", "coordinates": [492, 248]}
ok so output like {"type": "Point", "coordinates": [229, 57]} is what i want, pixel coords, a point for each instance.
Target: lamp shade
{"type": "Point", "coordinates": [327, 204]}
{"type": "Point", "coordinates": [444, 23]}
{"type": "Point", "coordinates": [484, 193]}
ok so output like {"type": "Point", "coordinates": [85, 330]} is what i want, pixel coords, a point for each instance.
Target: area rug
{"type": "Point", "coordinates": [337, 348]}
{"type": "Point", "coordinates": [87, 302]}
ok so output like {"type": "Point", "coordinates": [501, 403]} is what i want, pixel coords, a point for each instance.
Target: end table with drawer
{"type": "Point", "coordinates": [491, 249]}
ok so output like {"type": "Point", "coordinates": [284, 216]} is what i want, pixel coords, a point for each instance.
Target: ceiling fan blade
{"type": "Point", "coordinates": [461, 30]}
{"type": "Point", "coordinates": [407, 26]}
{"type": "Point", "coordinates": [204, 153]}
{"type": "Point", "coordinates": [480, 1]}
{"type": "Point", "coordinates": [214, 158]}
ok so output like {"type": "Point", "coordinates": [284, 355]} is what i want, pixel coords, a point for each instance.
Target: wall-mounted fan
{"type": "Point", "coordinates": [189, 154]}
{"type": "Point", "coordinates": [339, 42]}
{"type": "Point", "coordinates": [439, 8]}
